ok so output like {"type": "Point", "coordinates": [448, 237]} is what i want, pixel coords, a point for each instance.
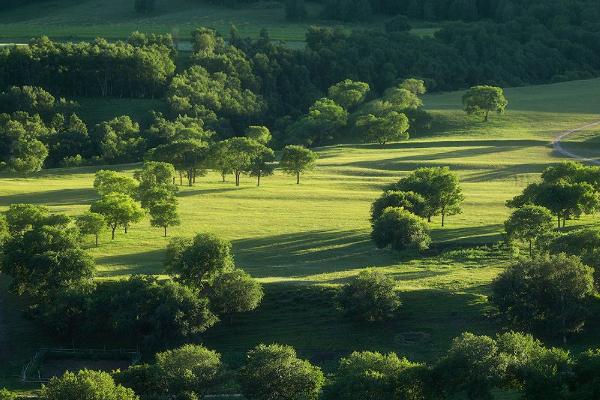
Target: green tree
{"type": "Point", "coordinates": [260, 134]}
{"type": "Point", "coordinates": [46, 260]}
{"type": "Point", "coordinates": [274, 372]}
{"type": "Point", "coordinates": [262, 164]}
{"type": "Point", "coordinates": [118, 209]}
{"type": "Point", "coordinates": [7, 395]}
{"type": "Point", "coordinates": [164, 214]}
{"type": "Point", "coordinates": [119, 140]}
{"type": "Point", "coordinates": [85, 385]}
{"type": "Point", "coordinates": [91, 223]}
{"type": "Point", "coordinates": [198, 261]}
{"type": "Point", "coordinates": [400, 229]}
{"type": "Point", "coordinates": [240, 154]}
{"type": "Point", "coordinates": [107, 182]}
{"type": "Point", "coordinates": [530, 224]}
{"type": "Point", "coordinates": [188, 156]}
{"type": "Point", "coordinates": [547, 292]}
{"type": "Point", "coordinates": [369, 297]}
{"type": "Point", "coordinates": [410, 201]}
{"type": "Point", "coordinates": [439, 186]}
{"type": "Point", "coordinates": [481, 100]}
{"type": "Point", "coordinates": [235, 292]}
{"type": "Point", "coordinates": [189, 369]}
{"type": "Point", "coordinates": [296, 160]}
{"type": "Point", "coordinates": [392, 126]}
{"type": "Point", "coordinates": [415, 86]}
{"type": "Point", "coordinates": [349, 93]}
{"type": "Point", "coordinates": [22, 217]}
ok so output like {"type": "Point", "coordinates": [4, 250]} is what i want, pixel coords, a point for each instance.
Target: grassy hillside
{"type": "Point", "coordinates": [304, 240]}
{"type": "Point", "coordinates": [116, 19]}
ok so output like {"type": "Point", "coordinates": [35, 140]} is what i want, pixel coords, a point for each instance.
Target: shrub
{"type": "Point", "coordinates": [369, 297]}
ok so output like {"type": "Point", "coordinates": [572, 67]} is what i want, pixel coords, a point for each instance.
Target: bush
{"type": "Point", "coordinates": [235, 292]}
{"type": "Point", "coordinates": [410, 201]}
{"type": "Point", "coordinates": [401, 230]}
{"type": "Point", "coordinates": [274, 372]}
{"type": "Point", "coordinates": [369, 297]}
{"type": "Point", "coordinates": [85, 385]}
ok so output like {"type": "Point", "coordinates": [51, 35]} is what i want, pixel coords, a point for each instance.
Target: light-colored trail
{"type": "Point", "coordinates": [557, 143]}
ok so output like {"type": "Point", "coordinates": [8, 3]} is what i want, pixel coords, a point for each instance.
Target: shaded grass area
{"type": "Point", "coordinates": [303, 241]}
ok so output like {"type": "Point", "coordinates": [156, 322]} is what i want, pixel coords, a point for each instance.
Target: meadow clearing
{"type": "Point", "coordinates": [303, 240]}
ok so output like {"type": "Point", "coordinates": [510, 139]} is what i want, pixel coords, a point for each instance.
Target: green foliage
{"type": "Point", "coordinates": [322, 124]}
{"type": "Point", "coordinates": [439, 186]}
{"type": "Point", "coordinates": [391, 126]}
{"type": "Point", "coordinates": [548, 293]}
{"type": "Point", "coordinates": [260, 134]}
{"type": "Point", "coordinates": [186, 155]}
{"type": "Point", "coordinates": [410, 201]}
{"type": "Point", "coordinates": [348, 93]}
{"type": "Point", "coordinates": [401, 230]}
{"type": "Point", "coordinates": [190, 368]}
{"type": "Point", "coordinates": [235, 292]}
{"type": "Point", "coordinates": [45, 260]}
{"type": "Point", "coordinates": [118, 209]}
{"type": "Point", "coordinates": [22, 217]}
{"type": "Point", "coordinates": [243, 154]}
{"type": "Point", "coordinates": [584, 243]}
{"type": "Point", "coordinates": [164, 214]}
{"type": "Point", "coordinates": [107, 182]}
{"type": "Point", "coordinates": [481, 100]}
{"type": "Point", "coordinates": [197, 261]}
{"type": "Point", "coordinates": [296, 160]}
{"type": "Point", "coordinates": [274, 372]}
{"type": "Point", "coordinates": [5, 394]}
{"type": "Point", "coordinates": [85, 385]}
{"type": "Point", "coordinates": [91, 223]}
{"type": "Point", "coordinates": [22, 135]}
{"type": "Point", "coordinates": [586, 383]}
{"type": "Point", "coordinates": [529, 223]}
{"type": "Point", "coordinates": [368, 375]}
{"type": "Point", "coordinates": [119, 140]}
{"type": "Point", "coordinates": [369, 297]}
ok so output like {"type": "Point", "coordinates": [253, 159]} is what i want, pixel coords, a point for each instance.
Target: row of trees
{"type": "Point", "coordinates": [397, 216]}
{"type": "Point", "coordinates": [471, 368]}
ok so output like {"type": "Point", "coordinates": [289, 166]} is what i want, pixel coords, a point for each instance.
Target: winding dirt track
{"type": "Point", "coordinates": [557, 143]}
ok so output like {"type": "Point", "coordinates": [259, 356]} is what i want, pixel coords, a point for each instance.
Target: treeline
{"type": "Point", "coordinates": [474, 367]}
{"type": "Point", "coordinates": [137, 68]}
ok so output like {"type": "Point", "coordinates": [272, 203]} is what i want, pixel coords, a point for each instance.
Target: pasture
{"type": "Point", "coordinates": [303, 240]}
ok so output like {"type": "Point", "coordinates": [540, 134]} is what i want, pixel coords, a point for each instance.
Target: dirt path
{"type": "Point", "coordinates": [557, 143]}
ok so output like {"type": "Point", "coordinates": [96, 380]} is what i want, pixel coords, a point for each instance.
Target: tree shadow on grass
{"type": "Point", "coordinates": [470, 235]}
{"type": "Point", "coordinates": [61, 197]}
{"type": "Point", "coordinates": [416, 144]}
{"type": "Point", "coordinates": [147, 263]}
{"type": "Point", "coordinates": [309, 253]}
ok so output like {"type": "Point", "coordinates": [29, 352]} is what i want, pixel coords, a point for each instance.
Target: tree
{"type": "Point", "coordinates": [274, 372]}
{"type": "Point", "coordinates": [218, 158]}
{"type": "Point", "coordinates": [85, 385]}
{"type": "Point", "coordinates": [186, 155]}
{"type": "Point", "coordinates": [260, 134]}
{"type": "Point", "coordinates": [164, 214]}
{"type": "Point", "coordinates": [45, 260]}
{"type": "Point", "coordinates": [415, 86]}
{"type": "Point", "coordinates": [388, 127]}
{"type": "Point", "coordinates": [240, 154]}
{"type": "Point", "coordinates": [22, 217]}
{"type": "Point", "coordinates": [565, 200]}
{"type": "Point", "coordinates": [188, 369]}
{"type": "Point", "coordinates": [295, 10]}
{"type": "Point", "coordinates": [7, 395]}
{"type": "Point", "coordinates": [472, 365]}
{"type": "Point", "coordinates": [119, 140]}
{"type": "Point", "coordinates": [481, 100]}
{"type": "Point", "coordinates": [401, 230]}
{"type": "Point", "coordinates": [107, 182]}
{"type": "Point", "coordinates": [439, 186]}
{"type": "Point", "coordinates": [235, 292]}
{"type": "Point", "coordinates": [262, 164]}
{"type": "Point", "coordinates": [530, 224]}
{"type": "Point", "coordinates": [91, 223]}
{"type": "Point", "coordinates": [198, 261]}
{"type": "Point", "coordinates": [410, 201]}
{"type": "Point", "coordinates": [296, 160]}
{"type": "Point", "coordinates": [155, 173]}
{"type": "Point", "coordinates": [369, 297]}
{"type": "Point", "coordinates": [545, 293]}
{"type": "Point", "coordinates": [348, 93]}
{"type": "Point", "coordinates": [118, 209]}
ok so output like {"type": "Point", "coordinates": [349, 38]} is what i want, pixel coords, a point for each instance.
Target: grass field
{"type": "Point", "coordinates": [116, 19]}
{"type": "Point", "coordinates": [302, 241]}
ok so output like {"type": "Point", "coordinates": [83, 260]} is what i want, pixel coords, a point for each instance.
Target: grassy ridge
{"type": "Point", "coordinates": [304, 240]}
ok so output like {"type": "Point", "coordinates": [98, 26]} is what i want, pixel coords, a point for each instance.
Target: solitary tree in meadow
{"type": "Point", "coordinates": [235, 292]}
{"type": "Point", "coordinates": [118, 209]}
{"type": "Point", "coordinates": [296, 160]}
{"type": "Point", "coordinates": [529, 223]}
{"type": "Point", "coordinates": [262, 164]}
{"type": "Point", "coordinates": [400, 229]}
{"type": "Point", "coordinates": [163, 214]}
{"type": "Point", "coordinates": [481, 100]}
{"type": "Point", "coordinates": [91, 223]}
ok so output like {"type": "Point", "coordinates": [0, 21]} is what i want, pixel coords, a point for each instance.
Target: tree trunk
{"type": "Point", "coordinates": [126, 227]}
{"type": "Point", "coordinates": [487, 115]}
{"type": "Point", "coordinates": [558, 221]}
{"type": "Point", "coordinates": [165, 231]}
{"type": "Point", "coordinates": [258, 179]}
{"type": "Point", "coordinates": [443, 218]}
{"type": "Point", "coordinates": [96, 240]}
{"type": "Point", "coordinates": [429, 218]}
{"type": "Point", "coordinates": [223, 176]}
{"type": "Point", "coordinates": [114, 228]}
{"type": "Point", "coordinates": [237, 178]}
{"type": "Point", "coordinates": [190, 176]}
{"type": "Point", "coordinates": [297, 178]}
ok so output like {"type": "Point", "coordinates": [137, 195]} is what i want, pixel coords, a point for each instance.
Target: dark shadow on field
{"type": "Point", "coordinates": [502, 173]}
{"type": "Point", "coordinates": [308, 253]}
{"type": "Point", "coordinates": [306, 317]}
{"type": "Point", "coordinates": [147, 263]}
{"type": "Point", "coordinates": [61, 197]}
{"type": "Point", "coordinates": [410, 144]}
{"type": "Point", "coordinates": [468, 235]}
{"type": "Point", "coordinates": [198, 190]}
